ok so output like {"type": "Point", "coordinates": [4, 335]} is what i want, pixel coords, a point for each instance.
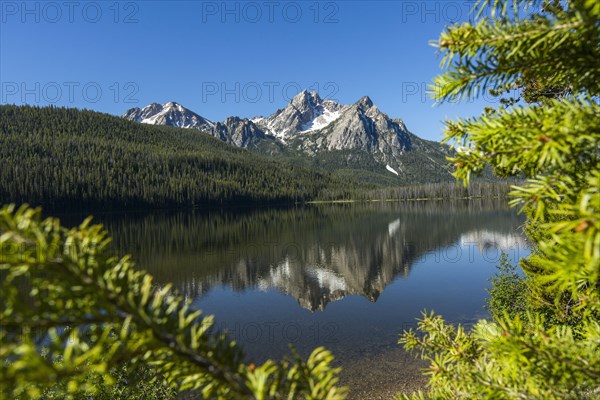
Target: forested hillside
{"type": "Point", "coordinates": [84, 159]}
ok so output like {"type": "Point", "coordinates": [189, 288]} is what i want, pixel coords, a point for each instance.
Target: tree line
{"type": "Point", "coordinates": [449, 190]}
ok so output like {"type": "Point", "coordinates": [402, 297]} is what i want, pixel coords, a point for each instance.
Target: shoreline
{"type": "Point", "coordinates": [49, 211]}
{"type": "Point", "coordinates": [402, 200]}
{"type": "Point", "coordinates": [382, 376]}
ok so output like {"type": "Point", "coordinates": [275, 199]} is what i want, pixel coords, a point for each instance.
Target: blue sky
{"type": "Point", "coordinates": [218, 58]}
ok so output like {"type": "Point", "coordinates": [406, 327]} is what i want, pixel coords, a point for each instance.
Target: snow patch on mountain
{"type": "Point", "coordinates": [392, 170]}
{"type": "Point", "coordinates": [321, 121]}
{"type": "Point", "coordinates": [306, 112]}
{"type": "Point", "coordinates": [170, 114]}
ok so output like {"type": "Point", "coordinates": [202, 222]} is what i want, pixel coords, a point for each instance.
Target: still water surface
{"type": "Point", "coordinates": [350, 277]}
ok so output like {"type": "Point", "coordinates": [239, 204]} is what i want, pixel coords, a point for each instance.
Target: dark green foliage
{"type": "Point", "coordinates": [66, 158]}
{"type": "Point", "coordinates": [450, 190]}
{"type": "Point", "coordinates": [508, 291]}
{"type": "Point", "coordinates": [136, 382]}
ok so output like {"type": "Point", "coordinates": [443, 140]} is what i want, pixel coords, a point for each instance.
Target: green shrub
{"type": "Point", "coordinates": [508, 291]}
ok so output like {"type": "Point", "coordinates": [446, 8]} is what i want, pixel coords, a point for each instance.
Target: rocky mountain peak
{"type": "Point", "coordinates": [359, 133]}
{"type": "Point", "coordinates": [240, 132]}
{"type": "Point", "coordinates": [170, 114]}
{"type": "Point", "coordinates": [171, 104]}
{"type": "Point", "coordinates": [305, 112]}
{"type": "Point", "coordinates": [365, 102]}
{"type": "Point", "coordinates": [306, 99]}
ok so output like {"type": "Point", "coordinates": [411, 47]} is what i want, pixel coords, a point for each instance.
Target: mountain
{"type": "Point", "coordinates": [361, 127]}
{"type": "Point", "coordinates": [307, 112]}
{"type": "Point", "coordinates": [240, 132]}
{"type": "Point", "coordinates": [170, 114]}
{"type": "Point", "coordinates": [357, 140]}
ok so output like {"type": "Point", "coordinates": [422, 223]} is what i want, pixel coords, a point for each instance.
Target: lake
{"type": "Point", "coordinates": [350, 277]}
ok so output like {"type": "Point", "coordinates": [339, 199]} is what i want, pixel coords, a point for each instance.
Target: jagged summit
{"type": "Point", "coordinates": [306, 112]}
{"type": "Point", "coordinates": [240, 132]}
{"type": "Point", "coordinates": [306, 97]}
{"type": "Point", "coordinates": [170, 114]}
{"type": "Point", "coordinates": [365, 102]}
{"type": "Point", "coordinates": [358, 135]}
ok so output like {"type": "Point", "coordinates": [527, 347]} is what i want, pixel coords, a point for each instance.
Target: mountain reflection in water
{"type": "Point", "coordinates": [350, 277]}
{"type": "Point", "coordinates": [317, 254]}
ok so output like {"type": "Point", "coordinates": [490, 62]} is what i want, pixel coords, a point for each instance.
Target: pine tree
{"type": "Point", "coordinates": [547, 128]}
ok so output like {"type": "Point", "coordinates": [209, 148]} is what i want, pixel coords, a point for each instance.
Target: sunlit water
{"type": "Point", "coordinates": [349, 277]}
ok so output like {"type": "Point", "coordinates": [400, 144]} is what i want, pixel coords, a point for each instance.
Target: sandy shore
{"type": "Point", "coordinates": [382, 375]}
